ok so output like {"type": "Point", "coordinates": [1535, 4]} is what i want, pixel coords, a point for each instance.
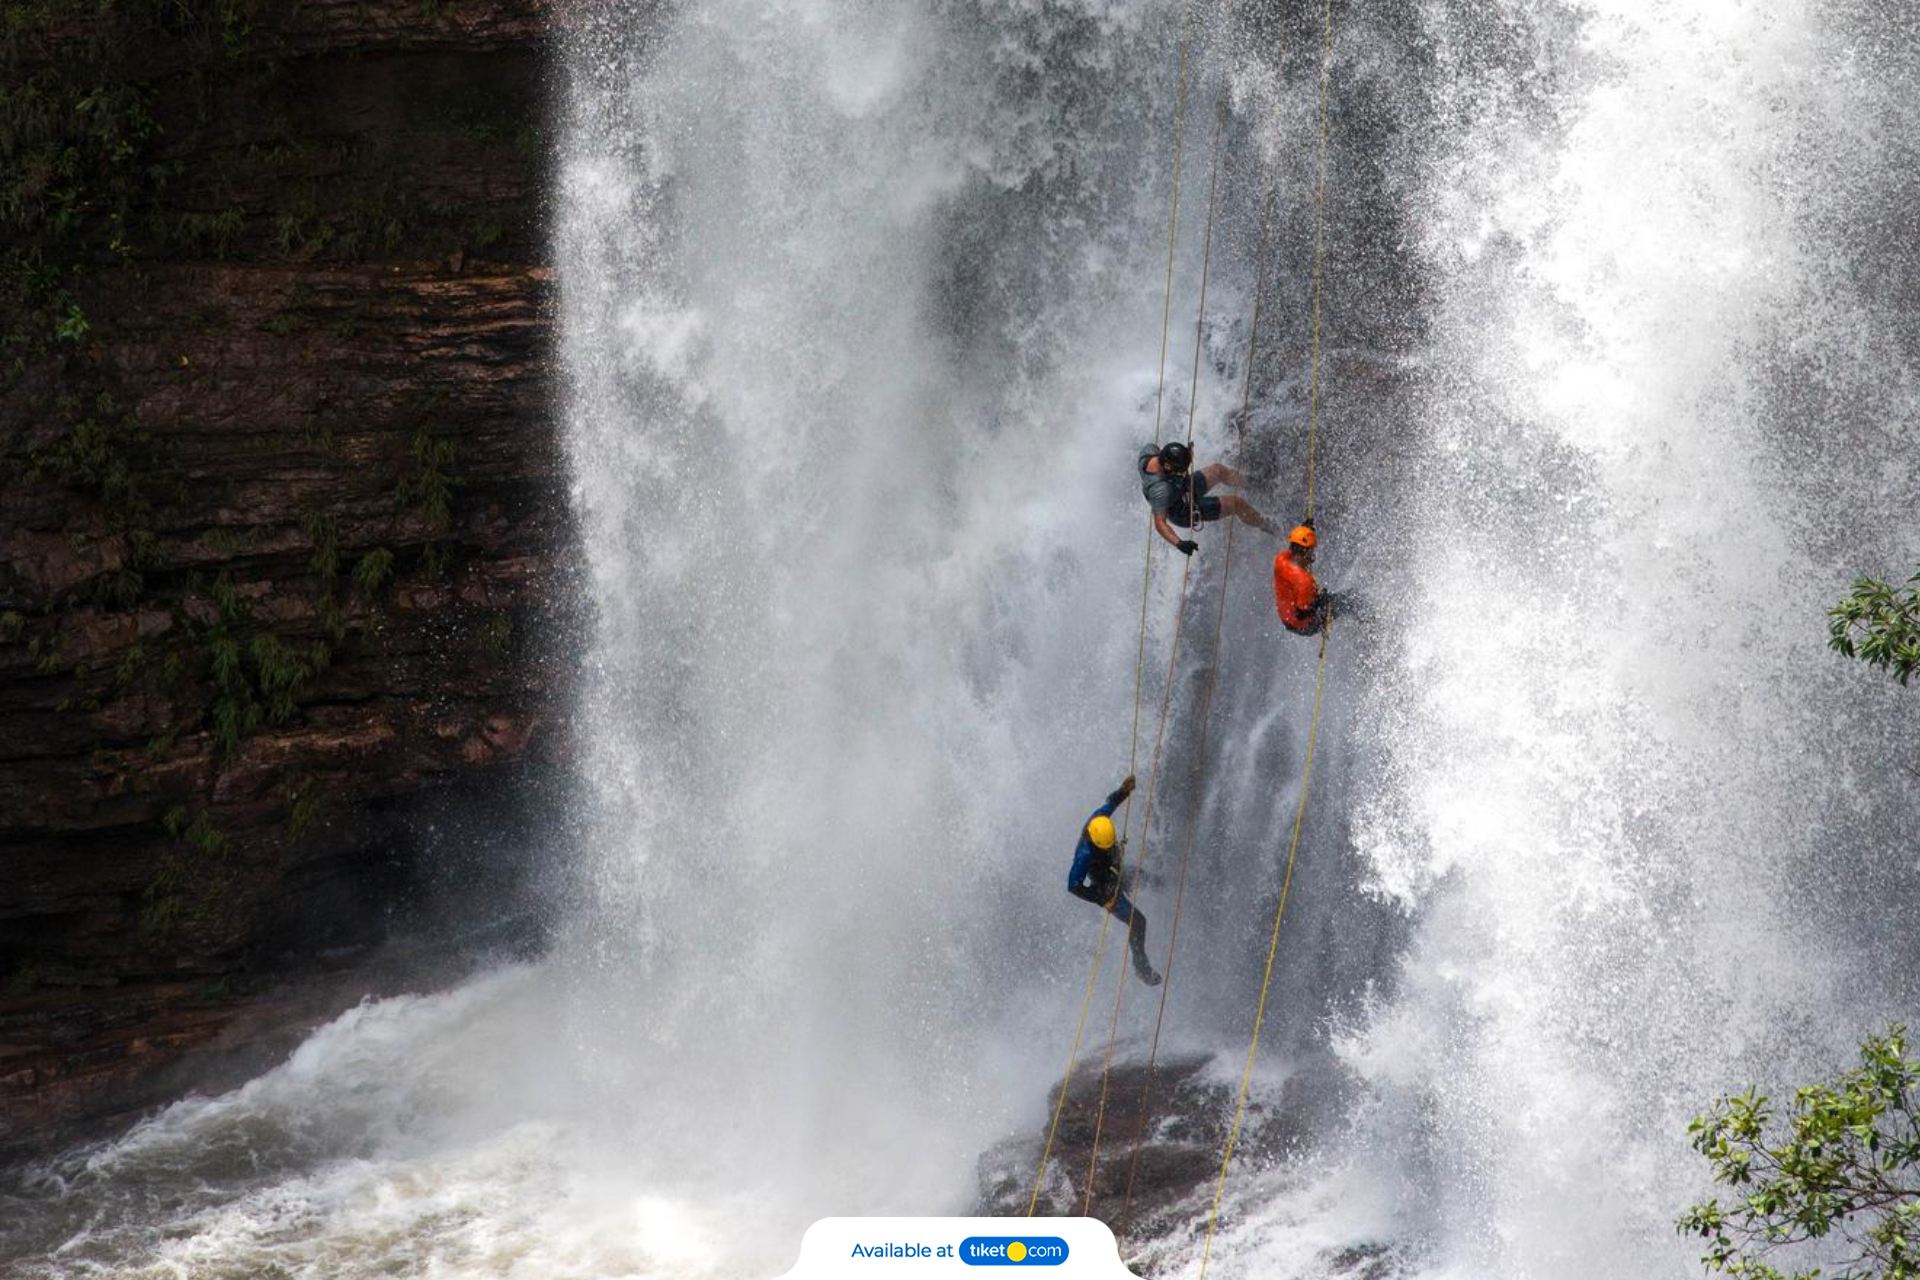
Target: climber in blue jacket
{"type": "Point", "coordinates": [1095, 876]}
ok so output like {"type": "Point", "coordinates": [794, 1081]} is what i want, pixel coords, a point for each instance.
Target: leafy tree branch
{"type": "Point", "coordinates": [1837, 1175]}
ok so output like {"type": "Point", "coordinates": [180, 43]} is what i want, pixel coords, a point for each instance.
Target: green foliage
{"type": "Point", "coordinates": [489, 122]}
{"type": "Point", "coordinates": [428, 490]}
{"type": "Point", "coordinates": [317, 437]}
{"type": "Point", "coordinates": [71, 325]}
{"type": "Point", "coordinates": [68, 146]}
{"type": "Point", "coordinates": [225, 541]}
{"type": "Point", "coordinates": [119, 588]}
{"type": "Point", "coordinates": [353, 220]}
{"type": "Point", "coordinates": [186, 885]}
{"type": "Point", "coordinates": [257, 677]}
{"type": "Point", "coordinates": [98, 453]}
{"type": "Point", "coordinates": [74, 138]}
{"type": "Point", "coordinates": [373, 572]}
{"type": "Point", "coordinates": [300, 230]}
{"type": "Point", "coordinates": [95, 453]}
{"type": "Point", "coordinates": [196, 829]}
{"type": "Point", "coordinates": [378, 219]}
{"type": "Point", "coordinates": [483, 234]}
{"type": "Point", "coordinates": [45, 653]}
{"type": "Point", "coordinates": [213, 233]}
{"type": "Point", "coordinates": [1844, 1169]}
{"type": "Point", "coordinates": [80, 169]}
{"type": "Point", "coordinates": [133, 660]}
{"type": "Point", "coordinates": [323, 531]}
{"type": "Point", "coordinates": [303, 806]}
{"type": "Point", "coordinates": [1880, 625]}
{"type": "Point", "coordinates": [281, 671]}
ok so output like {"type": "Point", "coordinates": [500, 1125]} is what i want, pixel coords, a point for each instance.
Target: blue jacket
{"type": "Point", "coordinates": [1087, 860]}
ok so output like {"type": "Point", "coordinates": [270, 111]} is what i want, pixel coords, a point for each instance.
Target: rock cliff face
{"type": "Point", "coordinates": [282, 530]}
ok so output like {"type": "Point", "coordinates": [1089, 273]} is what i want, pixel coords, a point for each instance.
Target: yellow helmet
{"type": "Point", "coordinates": [1100, 831]}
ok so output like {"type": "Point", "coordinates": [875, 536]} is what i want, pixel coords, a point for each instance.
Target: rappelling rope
{"type": "Point", "coordinates": [1319, 258]}
{"type": "Point", "coordinates": [1206, 713]}
{"type": "Point", "coordinates": [1146, 580]}
{"type": "Point", "coordinates": [1173, 217]}
{"type": "Point", "coordinates": [1173, 654]}
{"type": "Point", "coordinates": [1273, 947]}
{"type": "Point", "coordinates": [1320, 676]}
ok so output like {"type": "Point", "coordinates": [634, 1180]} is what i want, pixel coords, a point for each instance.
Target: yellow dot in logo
{"type": "Point", "coordinates": [1017, 1252]}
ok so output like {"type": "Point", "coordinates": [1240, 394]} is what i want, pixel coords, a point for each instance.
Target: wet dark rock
{"type": "Point", "coordinates": [1365, 1262]}
{"type": "Point", "coordinates": [352, 369]}
{"type": "Point", "coordinates": [1149, 1163]}
{"type": "Point", "coordinates": [1188, 1113]}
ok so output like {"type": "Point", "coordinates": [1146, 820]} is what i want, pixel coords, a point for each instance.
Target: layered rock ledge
{"type": "Point", "coordinates": [283, 543]}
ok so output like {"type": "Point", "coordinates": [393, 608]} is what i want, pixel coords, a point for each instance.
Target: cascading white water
{"type": "Point", "coordinates": [860, 327]}
{"type": "Point", "coordinates": [1656, 842]}
{"type": "Point", "coordinates": [854, 651]}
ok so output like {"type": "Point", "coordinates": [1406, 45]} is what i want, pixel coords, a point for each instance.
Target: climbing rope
{"type": "Point", "coordinates": [1319, 258]}
{"type": "Point", "coordinates": [1173, 653]}
{"type": "Point", "coordinates": [1173, 217]}
{"type": "Point", "coordinates": [1273, 948]}
{"type": "Point", "coordinates": [1206, 713]}
{"type": "Point", "coordinates": [1320, 676]}
{"type": "Point", "coordinates": [1146, 580]}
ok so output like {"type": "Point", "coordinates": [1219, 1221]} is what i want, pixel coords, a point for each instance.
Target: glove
{"type": "Point", "coordinates": [1307, 523]}
{"type": "Point", "coordinates": [1187, 547]}
{"type": "Point", "coordinates": [1126, 784]}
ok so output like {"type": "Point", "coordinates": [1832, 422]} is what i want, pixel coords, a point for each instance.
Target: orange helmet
{"type": "Point", "coordinates": [1302, 536]}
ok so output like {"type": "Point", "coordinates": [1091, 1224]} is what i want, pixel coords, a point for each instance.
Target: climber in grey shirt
{"type": "Point", "coordinates": [1181, 496]}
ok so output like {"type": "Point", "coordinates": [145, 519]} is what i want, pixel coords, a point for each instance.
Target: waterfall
{"type": "Point", "coordinates": [860, 328]}
{"type": "Point", "coordinates": [855, 519]}
{"type": "Point", "coordinates": [1655, 843]}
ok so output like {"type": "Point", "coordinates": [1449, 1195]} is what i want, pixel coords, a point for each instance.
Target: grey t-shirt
{"type": "Point", "coordinates": [1161, 490]}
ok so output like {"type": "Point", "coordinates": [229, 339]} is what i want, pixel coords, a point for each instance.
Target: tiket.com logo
{"type": "Point", "coordinates": [1013, 1251]}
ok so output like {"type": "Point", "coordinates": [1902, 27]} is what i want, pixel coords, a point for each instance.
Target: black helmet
{"type": "Point", "coordinates": [1177, 458]}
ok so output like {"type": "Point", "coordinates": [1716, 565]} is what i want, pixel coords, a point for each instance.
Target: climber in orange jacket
{"type": "Point", "coordinates": [1304, 607]}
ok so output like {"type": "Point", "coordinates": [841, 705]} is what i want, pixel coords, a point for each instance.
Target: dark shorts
{"type": "Point", "coordinates": [1203, 507]}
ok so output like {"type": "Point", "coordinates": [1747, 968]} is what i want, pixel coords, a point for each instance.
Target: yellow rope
{"type": "Point", "coordinates": [1146, 823]}
{"type": "Point", "coordinates": [1273, 947]}
{"type": "Point", "coordinates": [1206, 712]}
{"type": "Point", "coordinates": [1173, 218]}
{"type": "Point", "coordinates": [1319, 259]}
{"type": "Point", "coordinates": [1320, 677]}
{"type": "Point", "coordinates": [1173, 654]}
{"type": "Point", "coordinates": [1146, 580]}
{"type": "Point", "coordinates": [1206, 255]}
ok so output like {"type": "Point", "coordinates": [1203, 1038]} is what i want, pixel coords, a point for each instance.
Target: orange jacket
{"type": "Point", "coordinates": [1294, 593]}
